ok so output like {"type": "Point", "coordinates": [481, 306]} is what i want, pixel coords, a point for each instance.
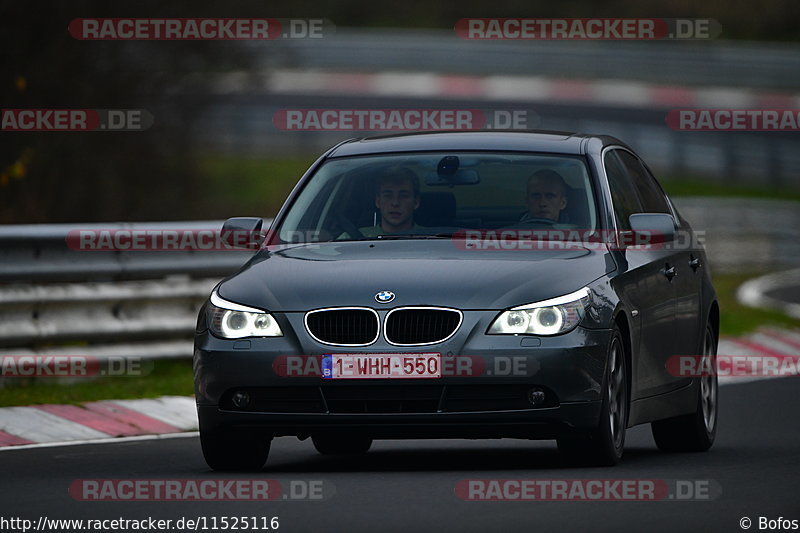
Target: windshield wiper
{"type": "Point", "coordinates": [415, 236]}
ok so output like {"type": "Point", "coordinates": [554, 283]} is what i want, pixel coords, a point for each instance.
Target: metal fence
{"type": "Point", "coordinates": [56, 298]}
{"type": "Point", "coordinates": [44, 253]}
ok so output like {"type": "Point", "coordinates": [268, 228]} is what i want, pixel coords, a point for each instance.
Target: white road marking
{"type": "Point", "coordinates": [620, 92]}
{"type": "Point", "coordinates": [109, 440]}
{"type": "Point", "coordinates": [523, 88]}
{"type": "Point", "coordinates": [402, 84]}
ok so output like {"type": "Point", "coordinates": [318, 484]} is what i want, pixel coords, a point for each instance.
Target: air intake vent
{"type": "Point", "coordinates": [344, 326]}
{"type": "Point", "coordinates": [412, 326]}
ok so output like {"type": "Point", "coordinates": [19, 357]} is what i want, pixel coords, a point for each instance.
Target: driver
{"type": "Point", "coordinates": [546, 195]}
{"type": "Point", "coordinates": [397, 197]}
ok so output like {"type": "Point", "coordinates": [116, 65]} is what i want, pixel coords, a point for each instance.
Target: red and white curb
{"type": "Point", "coordinates": [626, 93]}
{"type": "Point", "coordinates": [93, 421]}
{"type": "Point", "coordinates": [170, 415]}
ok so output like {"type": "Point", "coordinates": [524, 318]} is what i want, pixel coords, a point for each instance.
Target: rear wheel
{"type": "Point", "coordinates": [234, 450]}
{"type": "Point", "coordinates": [695, 432]}
{"type": "Point", "coordinates": [332, 444]}
{"type": "Point", "coordinates": [603, 445]}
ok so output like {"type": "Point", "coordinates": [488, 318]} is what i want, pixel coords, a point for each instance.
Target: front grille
{"type": "Point", "coordinates": [421, 325]}
{"type": "Point", "coordinates": [347, 326]}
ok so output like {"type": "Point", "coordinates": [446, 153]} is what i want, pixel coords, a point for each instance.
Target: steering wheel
{"type": "Point", "coordinates": [349, 227]}
{"type": "Point", "coordinates": [546, 221]}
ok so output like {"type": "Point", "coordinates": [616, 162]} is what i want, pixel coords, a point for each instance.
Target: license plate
{"type": "Point", "coordinates": [381, 366]}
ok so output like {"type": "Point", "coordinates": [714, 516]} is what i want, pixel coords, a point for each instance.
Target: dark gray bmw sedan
{"type": "Point", "coordinates": [534, 285]}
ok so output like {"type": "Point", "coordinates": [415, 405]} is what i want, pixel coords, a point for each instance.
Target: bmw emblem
{"type": "Point", "coordinates": [384, 297]}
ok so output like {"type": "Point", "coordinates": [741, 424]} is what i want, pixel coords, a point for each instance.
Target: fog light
{"type": "Point", "coordinates": [241, 399]}
{"type": "Point", "coordinates": [536, 397]}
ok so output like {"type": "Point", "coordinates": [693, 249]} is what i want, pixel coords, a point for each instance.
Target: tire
{"type": "Point", "coordinates": [234, 450]}
{"type": "Point", "coordinates": [330, 444]}
{"type": "Point", "coordinates": [603, 446]}
{"type": "Point", "coordinates": [694, 432]}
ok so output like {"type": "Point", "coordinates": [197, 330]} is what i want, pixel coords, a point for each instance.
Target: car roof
{"type": "Point", "coordinates": [515, 141]}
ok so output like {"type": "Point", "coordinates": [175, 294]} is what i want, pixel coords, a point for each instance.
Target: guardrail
{"type": "Point", "coordinates": [126, 303]}
{"type": "Point", "coordinates": [96, 312]}
{"type": "Point", "coordinates": [41, 253]}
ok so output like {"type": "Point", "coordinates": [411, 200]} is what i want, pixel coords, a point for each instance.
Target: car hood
{"type": "Point", "coordinates": [419, 272]}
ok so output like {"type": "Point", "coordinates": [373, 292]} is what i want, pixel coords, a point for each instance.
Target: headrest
{"type": "Point", "coordinates": [436, 208]}
{"type": "Point", "coordinates": [577, 210]}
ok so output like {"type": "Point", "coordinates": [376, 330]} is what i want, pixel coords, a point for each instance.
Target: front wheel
{"type": "Point", "coordinates": [603, 445]}
{"type": "Point", "coordinates": [695, 432]}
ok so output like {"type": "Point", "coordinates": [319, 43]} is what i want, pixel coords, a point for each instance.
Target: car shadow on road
{"type": "Point", "coordinates": [488, 458]}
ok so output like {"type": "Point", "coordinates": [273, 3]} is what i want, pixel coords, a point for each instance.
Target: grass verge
{"type": "Point", "coordinates": [169, 377]}
{"type": "Point", "coordinates": [685, 186]}
{"type": "Point", "coordinates": [248, 186]}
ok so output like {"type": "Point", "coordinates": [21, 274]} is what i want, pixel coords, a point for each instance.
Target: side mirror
{"type": "Point", "coordinates": [243, 232]}
{"type": "Point", "coordinates": [652, 228]}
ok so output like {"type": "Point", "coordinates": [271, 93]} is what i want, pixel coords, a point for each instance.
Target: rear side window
{"type": "Point", "coordinates": [650, 194]}
{"type": "Point", "coordinates": [623, 190]}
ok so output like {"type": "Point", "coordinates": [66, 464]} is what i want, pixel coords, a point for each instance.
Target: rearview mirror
{"type": "Point", "coordinates": [459, 177]}
{"type": "Point", "coordinates": [243, 232]}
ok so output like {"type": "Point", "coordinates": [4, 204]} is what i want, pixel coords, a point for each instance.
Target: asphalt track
{"type": "Point", "coordinates": [409, 485]}
{"type": "Point", "coordinates": [788, 294]}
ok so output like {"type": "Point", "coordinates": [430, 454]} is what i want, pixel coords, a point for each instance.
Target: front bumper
{"type": "Point", "coordinates": [487, 396]}
{"type": "Point", "coordinates": [545, 423]}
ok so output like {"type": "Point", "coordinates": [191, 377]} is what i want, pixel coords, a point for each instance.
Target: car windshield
{"type": "Point", "coordinates": [440, 195]}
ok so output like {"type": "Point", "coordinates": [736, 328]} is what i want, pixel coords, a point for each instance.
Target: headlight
{"type": "Point", "coordinates": [233, 321]}
{"type": "Point", "coordinates": [549, 317]}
